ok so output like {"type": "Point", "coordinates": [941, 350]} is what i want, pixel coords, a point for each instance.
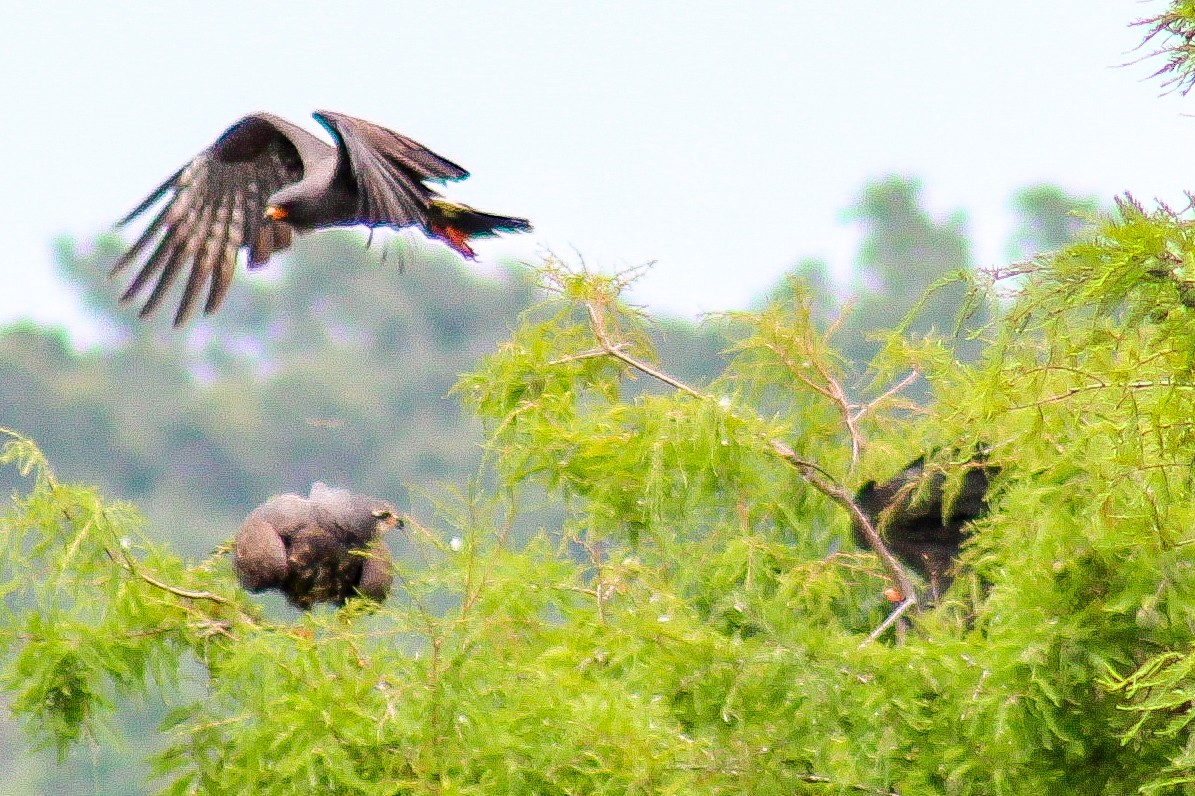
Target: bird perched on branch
{"type": "Point", "coordinates": [325, 547]}
{"type": "Point", "coordinates": [920, 530]}
{"type": "Point", "coordinates": [265, 179]}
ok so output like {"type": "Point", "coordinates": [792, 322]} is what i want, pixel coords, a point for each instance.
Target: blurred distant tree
{"type": "Point", "coordinates": [1048, 219]}
{"type": "Point", "coordinates": [904, 252]}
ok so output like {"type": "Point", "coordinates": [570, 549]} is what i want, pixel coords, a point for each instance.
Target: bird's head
{"type": "Point", "coordinates": [291, 203]}
{"type": "Point", "coordinates": [386, 516]}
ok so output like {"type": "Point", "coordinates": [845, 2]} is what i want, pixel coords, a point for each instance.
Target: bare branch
{"type": "Point", "coordinates": [814, 476]}
{"type": "Point", "coordinates": [125, 561]}
{"type": "Point", "coordinates": [598, 322]}
{"type": "Point", "coordinates": [830, 388]}
{"type": "Point", "coordinates": [887, 623]}
{"type": "Point", "coordinates": [593, 354]}
{"type": "Point", "coordinates": [891, 391]}
{"type": "Point", "coordinates": [1132, 385]}
{"type": "Point", "coordinates": [796, 371]}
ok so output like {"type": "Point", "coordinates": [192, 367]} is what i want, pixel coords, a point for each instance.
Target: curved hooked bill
{"type": "Point", "coordinates": [274, 213]}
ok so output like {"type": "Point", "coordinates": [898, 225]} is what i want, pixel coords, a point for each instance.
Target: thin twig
{"type": "Point", "coordinates": [597, 317]}
{"type": "Point", "coordinates": [1132, 385]}
{"type": "Point", "coordinates": [128, 564]}
{"type": "Point", "coordinates": [473, 591]}
{"type": "Point", "coordinates": [812, 779]}
{"type": "Point", "coordinates": [832, 390]}
{"type": "Point", "coordinates": [887, 623]}
{"type": "Point", "coordinates": [413, 525]}
{"type": "Point", "coordinates": [593, 354]}
{"type": "Point", "coordinates": [891, 391]}
{"type": "Point", "coordinates": [817, 779]}
{"type": "Point", "coordinates": [813, 476]}
{"type": "Point", "coordinates": [602, 590]}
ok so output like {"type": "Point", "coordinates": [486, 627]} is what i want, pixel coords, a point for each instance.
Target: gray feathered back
{"type": "Point", "coordinates": [322, 548]}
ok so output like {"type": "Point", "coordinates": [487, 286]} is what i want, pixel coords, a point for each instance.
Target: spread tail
{"type": "Point", "coordinates": [455, 224]}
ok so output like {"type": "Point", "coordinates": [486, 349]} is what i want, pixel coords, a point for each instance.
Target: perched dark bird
{"type": "Point", "coordinates": [265, 178]}
{"type": "Point", "coordinates": [326, 547]}
{"type": "Point", "coordinates": [916, 529]}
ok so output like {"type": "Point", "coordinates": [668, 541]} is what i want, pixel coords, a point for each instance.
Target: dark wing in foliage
{"type": "Point", "coordinates": [912, 502]}
{"type": "Point", "coordinates": [215, 207]}
{"type": "Point", "coordinates": [387, 170]}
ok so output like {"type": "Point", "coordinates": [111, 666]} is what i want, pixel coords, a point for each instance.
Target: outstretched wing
{"type": "Point", "coordinates": [215, 207]}
{"type": "Point", "coordinates": [387, 169]}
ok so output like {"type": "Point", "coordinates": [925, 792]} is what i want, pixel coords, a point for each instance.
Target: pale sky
{"type": "Point", "coordinates": [722, 140]}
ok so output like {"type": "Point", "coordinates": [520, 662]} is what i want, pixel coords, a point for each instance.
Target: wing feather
{"type": "Point", "coordinates": [152, 199]}
{"type": "Point", "coordinates": [221, 281]}
{"type": "Point", "coordinates": [160, 254]}
{"type": "Point", "coordinates": [195, 225]}
{"type": "Point", "coordinates": [227, 262]}
{"type": "Point", "coordinates": [210, 260]}
{"type": "Point", "coordinates": [392, 147]}
{"type": "Point", "coordinates": [170, 273]}
{"type": "Point", "coordinates": [215, 206]}
{"type": "Point", "coordinates": [134, 251]}
{"type": "Point", "coordinates": [264, 236]}
{"type": "Point", "coordinates": [387, 169]}
{"type": "Point", "coordinates": [211, 250]}
{"type": "Point", "coordinates": [224, 257]}
{"type": "Point", "coordinates": [164, 255]}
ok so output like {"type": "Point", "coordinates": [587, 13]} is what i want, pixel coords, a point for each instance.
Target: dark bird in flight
{"type": "Point", "coordinates": [909, 510]}
{"type": "Point", "coordinates": [326, 547]}
{"type": "Point", "coordinates": [265, 179]}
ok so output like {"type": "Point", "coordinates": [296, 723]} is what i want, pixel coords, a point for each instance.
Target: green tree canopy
{"type": "Point", "coordinates": [699, 620]}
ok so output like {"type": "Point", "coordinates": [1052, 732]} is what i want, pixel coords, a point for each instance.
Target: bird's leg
{"type": "Point", "coordinates": [398, 244]}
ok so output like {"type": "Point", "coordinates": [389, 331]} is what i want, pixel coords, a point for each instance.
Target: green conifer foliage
{"type": "Point", "coordinates": [699, 620]}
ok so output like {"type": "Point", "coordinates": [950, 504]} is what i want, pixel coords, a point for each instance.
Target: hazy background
{"type": "Point", "coordinates": [722, 140]}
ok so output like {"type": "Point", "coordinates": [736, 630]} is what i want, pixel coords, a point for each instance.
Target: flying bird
{"type": "Point", "coordinates": [265, 179]}
{"type": "Point", "coordinates": [325, 547]}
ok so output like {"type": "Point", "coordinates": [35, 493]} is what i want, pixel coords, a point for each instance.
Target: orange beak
{"type": "Point", "coordinates": [275, 213]}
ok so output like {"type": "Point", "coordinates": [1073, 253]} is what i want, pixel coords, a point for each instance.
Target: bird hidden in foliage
{"type": "Point", "coordinates": [265, 179]}
{"type": "Point", "coordinates": [915, 528]}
